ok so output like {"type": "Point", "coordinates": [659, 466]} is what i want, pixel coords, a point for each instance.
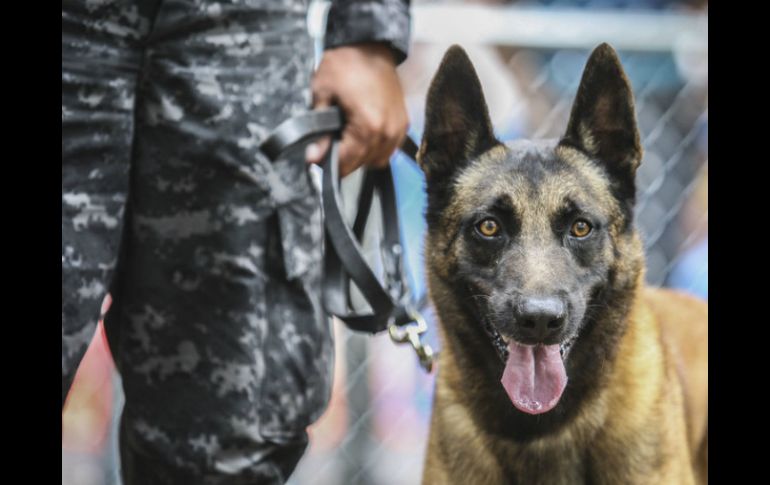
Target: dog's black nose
{"type": "Point", "coordinates": [540, 318]}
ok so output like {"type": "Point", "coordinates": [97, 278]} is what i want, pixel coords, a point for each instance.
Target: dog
{"type": "Point", "coordinates": [558, 365]}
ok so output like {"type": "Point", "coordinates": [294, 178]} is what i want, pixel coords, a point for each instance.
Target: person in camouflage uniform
{"type": "Point", "coordinates": [211, 253]}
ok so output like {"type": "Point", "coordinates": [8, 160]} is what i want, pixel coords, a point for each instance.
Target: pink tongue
{"type": "Point", "coordinates": [534, 377]}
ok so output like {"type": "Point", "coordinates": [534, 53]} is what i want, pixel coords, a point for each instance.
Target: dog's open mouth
{"type": "Point", "coordinates": [534, 377]}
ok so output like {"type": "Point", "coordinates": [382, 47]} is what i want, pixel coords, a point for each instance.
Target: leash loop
{"type": "Point", "coordinates": [344, 263]}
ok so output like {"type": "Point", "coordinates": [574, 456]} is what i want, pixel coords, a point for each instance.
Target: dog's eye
{"type": "Point", "coordinates": [580, 228]}
{"type": "Point", "coordinates": [488, 227]}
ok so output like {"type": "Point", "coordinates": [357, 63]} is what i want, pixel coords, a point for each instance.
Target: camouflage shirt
{"type": "Point", "coordinates": [354, 21]}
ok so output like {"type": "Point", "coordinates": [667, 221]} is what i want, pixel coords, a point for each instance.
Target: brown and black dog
{"type": "Point", "coordinates": [558, 366]}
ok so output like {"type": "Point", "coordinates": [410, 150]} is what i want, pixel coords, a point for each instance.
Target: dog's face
{"type": "Point", "coordinates": [529, 234]}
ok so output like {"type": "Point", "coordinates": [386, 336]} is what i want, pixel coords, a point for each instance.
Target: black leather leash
{"type": "Point", "coordinates": [344, 263]}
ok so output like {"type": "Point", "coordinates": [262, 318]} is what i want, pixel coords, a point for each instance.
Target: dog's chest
{"type": "Point", "coordinates": [539, 465]}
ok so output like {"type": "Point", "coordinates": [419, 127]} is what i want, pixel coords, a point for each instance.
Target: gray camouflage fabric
{"type": "Point", "coordinates": [352, 21]}
{"type": "Point", "coordinates": [211, 253]}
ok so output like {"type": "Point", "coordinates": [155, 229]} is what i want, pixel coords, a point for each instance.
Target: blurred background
{"type": "Point", "coordinates": [529, 56]}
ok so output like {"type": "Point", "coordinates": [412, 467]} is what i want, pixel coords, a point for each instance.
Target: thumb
{"type": "Point", "coordinates": [315, 151]}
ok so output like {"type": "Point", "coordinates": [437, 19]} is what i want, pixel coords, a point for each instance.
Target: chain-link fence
{"type": "Point", "coordinates": [529, 57]}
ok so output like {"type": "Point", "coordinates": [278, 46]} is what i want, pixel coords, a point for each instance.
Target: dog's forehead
{"type": "Point", "coordinates": [538, 174]}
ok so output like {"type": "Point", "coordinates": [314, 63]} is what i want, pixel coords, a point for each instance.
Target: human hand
{"type": "Point", "coordinates": [361, 79]}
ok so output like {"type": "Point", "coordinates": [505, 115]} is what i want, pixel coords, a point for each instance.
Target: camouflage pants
{"type": "Point", "coordinates": [211, 254]}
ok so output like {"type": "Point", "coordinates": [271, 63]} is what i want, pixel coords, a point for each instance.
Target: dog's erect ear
{"type": "Point", "coordinates": [457, 126]}
{"type": "Point", "coordinates": [602, 123]}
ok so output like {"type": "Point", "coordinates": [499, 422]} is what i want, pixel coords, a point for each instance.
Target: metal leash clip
{"type": "Point", "coordinates": [412, 334]}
